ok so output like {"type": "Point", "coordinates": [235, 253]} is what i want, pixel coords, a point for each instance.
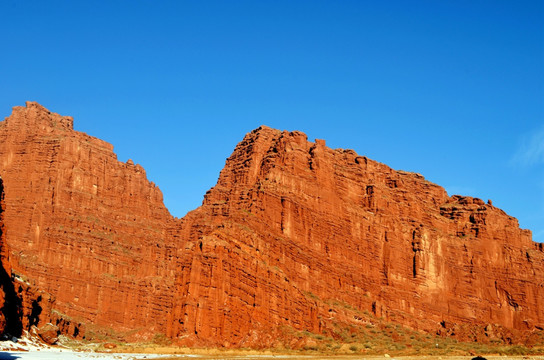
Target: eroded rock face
{"type": "Point", "coordinates": [49, 333]}
{"type": "Point", "coordinates": [294, 227]}
{"type": "Point", "coordinates": [83, 226]}
{"type": "Point", "coordinates": [5, 278]}
{"type": "Point", "coordinates": [292, 235]}
{"type": "Point", "coordinates": [21, 305]}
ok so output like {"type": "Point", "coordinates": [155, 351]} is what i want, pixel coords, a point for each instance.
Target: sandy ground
{"type": "Point", "coordinates": [70, 355]}
{"type": "Point", "coordinates": [29, 348]}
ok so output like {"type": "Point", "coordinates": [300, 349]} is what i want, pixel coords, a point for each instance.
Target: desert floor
{"type": "Point", "coordinates": [69, 355]}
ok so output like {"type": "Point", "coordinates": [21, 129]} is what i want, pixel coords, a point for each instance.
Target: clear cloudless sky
{"type": "Point", "coordinates": [450, 89]}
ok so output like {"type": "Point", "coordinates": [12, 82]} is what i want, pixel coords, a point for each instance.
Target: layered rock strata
{"type": "Point", "coordinates": [83, 226]}
{"type": "Point", "coordinates": [293, 234]}
{"type": "Point", "coordinates": [314, 226]}
{"type": "Point", "coordinates": [22, 306]}
{"type": "Point", "coordinates": [9, 309]}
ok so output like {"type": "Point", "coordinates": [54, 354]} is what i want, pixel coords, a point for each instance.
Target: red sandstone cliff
{"type": "Point", "coordinates": [5, 277]}
{"type": "Point", "coordinates": [293, 236]}
{"type": "Point", "coordinates": [83, 226]}
{"type": "Point", "coordinates": [294, 227]}
{"type": "Point", "coordinates": [22, 306]}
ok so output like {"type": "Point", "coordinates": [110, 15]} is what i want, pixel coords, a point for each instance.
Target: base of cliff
{"type": "Point", "coordinates": [376, 338]}
{"type": "Point", "coordinates": [459, 349]}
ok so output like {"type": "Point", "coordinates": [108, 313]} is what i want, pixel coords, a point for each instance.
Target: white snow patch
{"type": "Point", "coordinates": [61, 354]}
{"type": "Point", "coordinates": [25, 343]}
{"type": "Point", "coordinates": [31, 348]}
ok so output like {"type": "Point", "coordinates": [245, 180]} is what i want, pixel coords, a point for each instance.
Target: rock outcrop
{"type": "Point", "coordinates": [84, 227]}
{"type": "Point", "coordinates": [294, 236]}
{"type": "Point", "coordinates": [21, 305]}
{"type": "Point", "coordinates": [9, 311]}
{"type": "Point", "coordinates": [294, 227]}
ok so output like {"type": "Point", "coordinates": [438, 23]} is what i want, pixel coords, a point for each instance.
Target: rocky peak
{"type": "Point", "coordinates": [35, 118]}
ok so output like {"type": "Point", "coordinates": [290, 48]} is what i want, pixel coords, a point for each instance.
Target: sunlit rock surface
{"type": "Point", "coordinates": [295, 235]}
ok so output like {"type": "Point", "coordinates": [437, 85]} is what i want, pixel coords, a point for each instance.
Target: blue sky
{"type": "Point", "coordinates": [453, 90]}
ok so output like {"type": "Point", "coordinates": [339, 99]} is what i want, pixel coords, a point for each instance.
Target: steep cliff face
{"type": "Point", "coordinates": [83, 226]}
{"type": "Point", "coordinates": [296, 226]}
{"type": "Point", "coordinates": [8, 312]}
{"type": "Point", "coordinates": [294, 236]}
{"type": "Point", "coordinates": [22, 307]}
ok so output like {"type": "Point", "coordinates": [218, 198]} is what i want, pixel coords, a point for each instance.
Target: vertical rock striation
{"type": "Point", "coordinates": [84, 227]}
{"type": "Point", "coordinates": [313, 226]}
{"type": "Point", "coordinates": [292, 235]}
{"type": "Point", "coordinates": [10, 304]}
{"type": "Point", "coordinates": [21, 305]}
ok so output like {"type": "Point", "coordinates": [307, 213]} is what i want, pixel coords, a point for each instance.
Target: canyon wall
{"type": "Point", "coordinates": [5, 277]}
{"type": "Point", "coordinates": [295, 235]}
{"type": "Point", "coordinates": [22, 306]}
{"type": "Point", "coordinates": [82, 226]}
{"type": "Point", "coordinates": [335, 227]}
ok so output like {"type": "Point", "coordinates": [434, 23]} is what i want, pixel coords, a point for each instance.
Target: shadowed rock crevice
{"type": "Point", "coordinates": [12, 306]}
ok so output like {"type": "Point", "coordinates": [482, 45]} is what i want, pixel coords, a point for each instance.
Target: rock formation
{"type": "Point", "coordinates": [21, 305]}
{"type": "Point", "coordinates": [295, 226]}
{"type": "Point", "coordinates": [293, 236]}
{"type": "Point", "coordinates": [8, 310]}
{"type": "Point", "coordinates": [83, 226]}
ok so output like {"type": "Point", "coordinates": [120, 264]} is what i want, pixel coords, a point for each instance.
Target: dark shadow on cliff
{"type": "Point", "coordinates": [12, 306]}
{"type": "Point", "coordinates": [8, 356]}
